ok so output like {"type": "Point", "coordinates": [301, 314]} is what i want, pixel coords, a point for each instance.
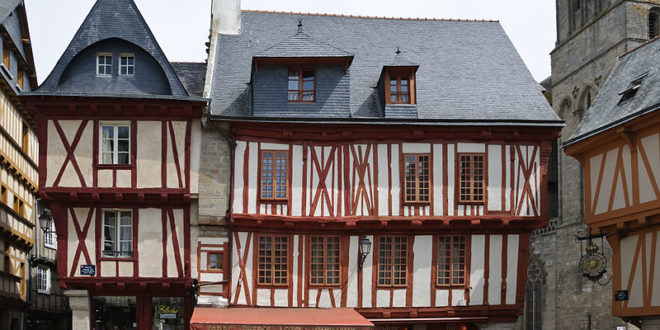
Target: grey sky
{"type": "Point", "coordinates": [182, 26]}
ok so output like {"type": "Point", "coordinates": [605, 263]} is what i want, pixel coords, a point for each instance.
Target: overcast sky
{"type": "Point", "coordinates": [182, 26]}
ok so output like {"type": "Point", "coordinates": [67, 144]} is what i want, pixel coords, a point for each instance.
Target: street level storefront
{"type": "Point", "coordinates": [277, 318]}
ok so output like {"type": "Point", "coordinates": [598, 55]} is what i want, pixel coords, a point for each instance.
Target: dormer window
{"type": "Point", "coordinates": [634, 85]}
{"type": "Point", "coordinates": [126, 64]}
{"type": "Point", "coordinates": [6, 55]}
{"type": "Point", "coordinates": [400, 86]}
{"type": "Point", "coordinates": [301, 85]}
{"type": "Point", "coordinates": [103, 64]}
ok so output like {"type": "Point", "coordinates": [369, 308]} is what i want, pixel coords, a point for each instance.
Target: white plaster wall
{"type": "Point", "coordinates": [450, 179]}
{"type": "Point", "coordinates": [149, 152]}
{"type": "Point", "coordinates": [295, 271]}
{"type": "Point", "coordinates": [123, 178]}
{"type": "Point", "coordinates": [458, 297]}
{"type": "Point", "coordinates": [238, 177]}
{"type": "Point", "coordinates": [396, 189]}
{"type": "Point", "coordinates": [495, 270]}
{"type": "Point", "coordinates": [416, 148]}
{"type": "Point", "coordinates": [383, 178]}
{"type": "Point", "coordinates": [150, 244]}
{"type": "Point", "coordinates": [606, 185]}
{"type": "Point", "coordinates": [263, 297]}
{"type": "Point", "coordinates": [125, 268]}
{"type": "Point", "coordinates": [471, 147]}
{"type": "Point", "coordinates": [108, 269]}
{"type": "Point", "coordinates": [296, 181]}
{"type": "Point", "coordinates": [494, 177]}
{"type": "Point", "coordinates": [627, 246]}
{"type": "Point", "coordinates": [171, 256]}
{"type": "Point", "coordinates": [352, 288]}
{"type": "Point", "coordinates": [195, 154]}
{"type": "Point", "coordinates": [437, 180]}
{"type": "Point", "coordinates": [422, 271]}
{"type": "Point", "coordinates": [382, 298]}
{"type": "Point", "coordinates": [104, 178]}
{"type": "Point", "coordinates": [399, 298]}
{"type": "Point", "coordinates": [83, 153]}
{"type": "Point", "coordinates": [652, 149]}
{"type": "Point", "coordinates": [512, 268]}
{"type": "Point", "coordinates": [441, 298]}
{"type": "Point", "coordinates": [90, 241]}
{"type": "Point", "coordinates": [56, 153]}
{"type": "Point", "coordinates": [477, 267]}
{"type": "Point", "coordinates": [655, 298]}
{"type": "Point", "coordinates": [179, 128]}
{"type": "Point", "coordinates": [281, 297]}
{"type": "Point", "coordinates": [254, 177]}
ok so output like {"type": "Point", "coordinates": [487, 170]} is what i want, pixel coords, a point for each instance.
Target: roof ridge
{"type": "Point", "coordinates": [640, 46]}
{"type": "Point", "coordinates": [371, 17]}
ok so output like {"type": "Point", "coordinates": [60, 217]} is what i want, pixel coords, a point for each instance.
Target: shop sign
{"type": "Point", "coordinates": [88, 270]}
{"type": "Point", "coordinates": [167, 312]}
{"type": "Point", "coordinates": [621, 295]}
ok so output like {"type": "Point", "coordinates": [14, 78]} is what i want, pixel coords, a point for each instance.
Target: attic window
{"type": "Point", "coordinates": [103, 64]}
{"type": "Point", "coordinates": [400, 86]}
{"type": "Point", "coordinates": [301, 85]}
{"type": "Point", "coordinates": [126, 64]}
{"type": "Point", "coordinates": [634, 85]}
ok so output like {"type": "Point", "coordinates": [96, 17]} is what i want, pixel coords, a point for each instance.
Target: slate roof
{"type": "Point", "coordinates": [469, 71]}
{"type": "Point", "coordinates": [607, 111]}
{"type": "Point", "coordinates": [191, 75]}
{"type": "Point", "coordinates": [112, 19]}
{"type": "Point", "coordinates": [7, 6]}
{"type": "Point", "coordinates": [301, 45]}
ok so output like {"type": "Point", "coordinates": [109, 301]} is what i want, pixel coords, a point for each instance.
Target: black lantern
{"type": "Point", "coordinates": [592, 260]}
{"type": "Point", "coordinates": [45, 220]}
{"type": "Point", "coordinates": [365, 248]}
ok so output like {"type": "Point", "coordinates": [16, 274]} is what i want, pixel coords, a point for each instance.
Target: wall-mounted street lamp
{"type": "Point", "coordinates": [45, 220]}
{"type": "Point", "coordinates": [365, 248]}
{"type": "Point", "coordinates": [592, 260]}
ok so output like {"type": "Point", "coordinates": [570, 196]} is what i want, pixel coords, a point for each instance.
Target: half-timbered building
{"type": "Point", "coordinates": [18, 164]}
{"type": "Point", "coordinates": [618, 145]}
{"type": "Point", "coordinates": [118, 158]}
{"type": "Point", "coordinates": [393, 166]}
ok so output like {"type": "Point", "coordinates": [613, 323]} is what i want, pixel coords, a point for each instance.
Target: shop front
{"type": "Point", "coordinates": [140, 311]}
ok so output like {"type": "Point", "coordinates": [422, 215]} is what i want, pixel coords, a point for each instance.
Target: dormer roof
{"type": "Point", "coordinates": [112, 21]}
{"type": "Point", "coordinates": [301, 45]}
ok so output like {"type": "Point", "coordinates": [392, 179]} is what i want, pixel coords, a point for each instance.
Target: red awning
{"type": "Point", "coordinates": [276, 318]}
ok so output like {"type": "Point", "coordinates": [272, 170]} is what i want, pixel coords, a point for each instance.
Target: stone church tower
{"type": "Point", "coordinates": [591, 34]}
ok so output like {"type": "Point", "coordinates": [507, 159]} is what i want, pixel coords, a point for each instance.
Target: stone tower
{"type": "Point", "coordinates": [591, 34]}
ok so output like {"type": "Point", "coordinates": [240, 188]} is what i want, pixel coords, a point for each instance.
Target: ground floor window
{"type": "Point", "coordinates": [114, 312]}
{"type": "Point", "coordinates": [168, 313]}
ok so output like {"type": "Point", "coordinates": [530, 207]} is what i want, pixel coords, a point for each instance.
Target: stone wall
{"type": "Point", "coordinates": [214, 176]}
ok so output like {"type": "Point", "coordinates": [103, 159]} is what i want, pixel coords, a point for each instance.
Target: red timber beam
{"type": "Point", "coordinates": [365, 133]}
{"type": "Point", "coordinates": [250, 222]}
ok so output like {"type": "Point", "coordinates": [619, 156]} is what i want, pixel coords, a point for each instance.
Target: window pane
{"type": "Point", "coordinates": [106, 158]}
{"type": "Point", "coordinates": [108, 132]}
{"type": "Point", "coordinates": [308, 74]}
{"type": "Point", "coordinates": [293, 74]}
{"type": "Point", "coordinates": [122, 145]}
{"type": "Point", "coordinates": [122, 132]}
{"type": "Point", "coordinates": [293, 96]}
{"type": "Point", "coordinates": [293, 84]}
{"type": "Point", "coordinates": [122, 158]}
{"type": "Point", "coordinates": [131, 70]}
{"type": "Point", "coordinates": [308, 85]}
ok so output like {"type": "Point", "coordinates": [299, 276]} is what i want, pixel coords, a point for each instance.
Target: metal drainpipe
{"type": "Point", "coordinates": [231, 142]}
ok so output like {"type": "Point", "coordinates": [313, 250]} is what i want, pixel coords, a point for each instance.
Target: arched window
{"type": "Point", "coordinates": [533, 297]}
{"type": "Point", "coordinates": [653, 23]}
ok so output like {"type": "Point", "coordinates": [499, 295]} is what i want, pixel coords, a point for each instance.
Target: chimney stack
{"type": "Point", "coordinates": [226, 16]}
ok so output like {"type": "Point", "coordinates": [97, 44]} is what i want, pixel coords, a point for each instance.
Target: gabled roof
{"type": "Point", "coordinates": [609, 109]}
{"type": "Point", "coordinates": [108, 19]}
{"type": "Point", "coordinates": [468, 70]}
{"type": "Point", "coordinates": [301, 45]}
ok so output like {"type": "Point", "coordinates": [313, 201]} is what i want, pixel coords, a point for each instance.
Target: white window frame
{"type": "Point", "coordinates": [126, 66]}
{"type": "Point", "coordinates": [50, 238]}
{"type": "Point", "coordinates": [117, 228]}
{"type": "Point", "coordinates": [43, 275]}
{"type": "Point", "coordinates": [105, 65]}
{"type": "Point", "coordinates": [115, 139]}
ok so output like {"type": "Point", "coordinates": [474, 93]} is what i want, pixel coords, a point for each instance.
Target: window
{"type": "Point", "coordinates": [417, 178]}
{"type": "Point", "coordinates": [533, 299]}
{"type": "Point", "coordinates": [325, 260]}
{"type": "Point", "coordinates": [214, 261]}
{"type": "Point", "coordinates": [633, 86]}
{"type": "Point", "coordinates": [6, 55]}
{"type": "Point", "coordinates": [274, 175]}
{"type": "Point", "coordinates": [115, 144]}
{"type": "Point", "coordinates": [104, 64]}
{"type": "Point", "coordinates": [653, 25]}
{"type": "Point", "coordinates": [50, 238]}
{"type": "Point", "coordinates": [471, 186]}
{"type": "Point", "coordinates": [20, 78]}
{"type": "Point", "coordinates": [126, 64]}
{"type": "Point", "coordinates": [451, 260]}
{"type": "Point", "coordinates": [273, 260]}
{"type": "Point", "coordinates": [43, 280]}
{"type": "Point", "coordinates": [392, 260]}
{"type": "Point", "coordinates": [399, 86]}
{"type": "Point", "coordinates": [301, 85]}
{"type": "Point", "coordinates": [118, 233]}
